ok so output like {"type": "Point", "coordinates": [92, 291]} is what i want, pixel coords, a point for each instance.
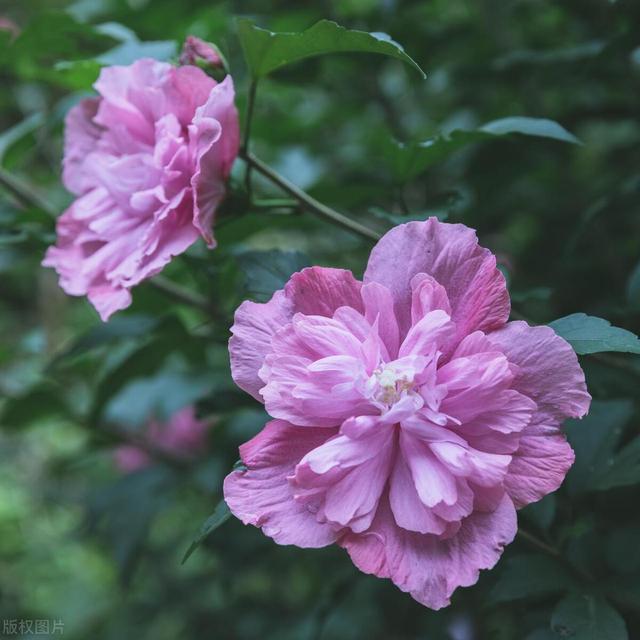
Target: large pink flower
{"type": "Point", "coordinates": [182, 436]}
{"type": "Point", "coordinates": [410, 418]}
{"type": "Point", "coordinates": [148, 160]}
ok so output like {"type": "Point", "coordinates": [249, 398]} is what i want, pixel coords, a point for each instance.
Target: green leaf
{"type": "Point", "coordinates": [588, 334]}
{"type": "Point", "coordinates": [412, 158]}
{"type": "Point", "coordinates": [587, 617]}
{"type": "Point", "coordinates": [541, 513]}
{"type": "Point", "coordinates": [219, 516]}
{"type": "Point", "coordinates": [623, 470]}
{"type": "Point", "coordinates": [268, 271]}
{"type": "Point", "coordinates": [594, 440]}
{"type": "Point", "coordinates": [530, 576]}
{"type": "Point", "coordinates": [633, 287]}
{"type": "Point", "coordinates": [622, 550]}
{"type": "Point", "coordinates": [266, 51]}
{"type": "Point", "coordinates": [106, 333]}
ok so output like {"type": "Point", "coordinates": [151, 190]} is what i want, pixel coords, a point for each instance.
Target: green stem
{"type": "Point", "coordinates": [184, 296]}
{"type": "Point", "coordinates": [253, 88]}
{"type": "Point", "coordinates": [308, 202]}
{"type": "Point", "coordinates": [24, 193]}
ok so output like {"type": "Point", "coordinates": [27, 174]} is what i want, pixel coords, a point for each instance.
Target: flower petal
{"type": "Point", "coordinates": [428, 568]}
{"type": "Point", "coordinates": [549, 373]}
{"type": "Point", "coordinates": [449, 253]}
{"type": "Point", "coordinates": [262, 496]}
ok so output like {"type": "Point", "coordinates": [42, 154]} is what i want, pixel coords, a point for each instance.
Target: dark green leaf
{"type": "Point", "coordinates": [219, 516]}
{"type": "Point", "coordinates": [530, 576]}
{"type": "Point", "coordinates": [412, 158]}
{"type": "Point", "coordinates": [541, 513]}
{"type": "Point", "coordinates": [633, 287]}
{"type": "Point", "coordinates": [594, 439]}
{"type": "Point", "coordinates": [588, 334]}
{"type": "Point", "coordinates": [622, 550]}
{"type": "Point", "coordinates": [105, 333]}
{"type": "Point", "coordinates": [587, 617]}
{"type": "Point", "coordinates": [623, 470]}
{"type": "Point", "coordinates": [266, 51]}
{"type": "Point", "coordinates": [268, 271]}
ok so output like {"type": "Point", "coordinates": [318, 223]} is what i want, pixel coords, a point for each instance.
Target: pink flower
{"type": "Point", "coordinates": [183, 436]}
{"type": "Point", "coordinates": [148, 160]}
{"type": "Point", "coordinates": [410, 418]}
{"type": "Point", "coordinates": [6, 24]}
{"type": "Point", "coordinates": [195, 49]}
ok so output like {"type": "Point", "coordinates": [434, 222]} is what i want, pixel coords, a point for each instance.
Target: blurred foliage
{"type": "Point", "coordinates": [102, 551]}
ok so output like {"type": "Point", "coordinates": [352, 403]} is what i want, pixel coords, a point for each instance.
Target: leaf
{"type": "Point", "coordinates": [622, 550]}
{"type": "Point", "coordinates": [105, 333]}
{"type": "Point", "coordinates": [412, 158]}
{"type": "Point", "coordinates": [623, 470]}
{"type": "Point", "coordinates": [589, 334]}
{"type": "Point", "coordinates": [633, 287]}
{"type": "Point", "coordinates": [541, 513]}
{"type": "Point", "coordinates": [594, 439]}
{"type": "Point", "coordinates": [530, 576]}
{"type": "Point", "coordinates": [587, 617]}
{"type": "Point", "coordinates": [268, 271]}
{"type": "Point", "coordinates": [219, 516]}
{"type": "Point", "coordinates": [266, 51]}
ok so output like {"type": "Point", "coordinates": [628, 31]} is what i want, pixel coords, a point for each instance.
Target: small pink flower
{"type": "Point", "coordinates": [148, 160]}
{"type": "Point", "coordinates": [6, 24]}
{"type": "Point", "coordinates": [410, 418]}
{"type": "Point", "coordinates": [195, 50]}
{"type": "Point", "coordinates": [182, 436]}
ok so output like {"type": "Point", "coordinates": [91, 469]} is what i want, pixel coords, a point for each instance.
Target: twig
{"type": "Point", "coordinates": [24, 193]}
{"type": "Point", "coordinates": [185, 296]}
{"type": "Point", "coordinates": [533, 540]}
{"type": "Point", "coordinates": [253, 88]}
{"type": "Point", "coordinates": [308, 202]}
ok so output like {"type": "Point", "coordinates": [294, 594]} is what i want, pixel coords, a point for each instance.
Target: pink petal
{"type": "Point", "coordinates": [449, 253]}
{"type": "Point", "coordinates": [80, 137]}
{"type": "Point", "coordinates": [320, 291]}
{"type": "Point", "coordinates": [262, 495]}
{"type": "Point", "coordinates": [428, 568]}
{"type": "Point", "coordinates": [378, 303]}
{"type": "Point", "coordinates": [215, 135]}
{"type": "Point", "coordinates": [549, 373]}
{"type": "Point", "coordinates": [254, 326]}
{"type": "Point", "coordinates": [315, 290]}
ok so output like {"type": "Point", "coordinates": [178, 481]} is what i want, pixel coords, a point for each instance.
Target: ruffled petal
{"type": "Point", "coordinates": [428, 568]}
{"type": "Point", "coordinates": [549, 373]}
{"type": "Point", "coordinates": [254, 326]}
{"type": "Point", "coordinates": [449, 253]}
{"type": "Point", "coordinates": [262, 496]}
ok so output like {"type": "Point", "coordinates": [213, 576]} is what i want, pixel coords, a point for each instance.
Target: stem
{"type": "Point", "coordinates": [253, 88]}
{"type": "Point", "coordinates": [184, 296]}
{"type": "Point", "coordinates": [554, 553]}
{"type": "Point", "coordinates": [24, 193]}
{"type": "Point", "coordinates": [307, 201]}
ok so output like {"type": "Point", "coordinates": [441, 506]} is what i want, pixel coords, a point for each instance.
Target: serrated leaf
{"type": "Point", "coordinates": [219, 516]}
{"type": "Point", "coordinates": [267, 271]}
{"type": "Point", "coordinates": [589, 334]}
{"type": "Point", "coordinates": [412, 158]}
{"type": "Point", "coordinates": [265, 51]}
{"type": "Point", "coordinates": [587, 617]}
{"type": "Point", "coordinates": [530, 576]}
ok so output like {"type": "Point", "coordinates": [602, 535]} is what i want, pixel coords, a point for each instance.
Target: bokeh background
{"type": "Point", "coordinates": [84, 542]}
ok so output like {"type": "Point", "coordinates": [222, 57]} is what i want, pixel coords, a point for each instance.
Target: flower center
{"type": "Point", "coordinates": [389, 383]}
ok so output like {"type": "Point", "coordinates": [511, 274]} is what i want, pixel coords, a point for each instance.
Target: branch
{"type": "Point", "coordinates": [24, 193]}
{"type": "Point", "coordinates": [308, 202]}
{"type": "Point", "coordinates": [185, 296]}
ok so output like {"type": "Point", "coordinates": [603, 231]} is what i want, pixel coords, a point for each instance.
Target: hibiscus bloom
{"type": "Point", "coordinates": [411, 419]}
{"type": "Point", "coordinates": [182, 436]}
{"type": "Point", "coordinates": [148, 160]}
